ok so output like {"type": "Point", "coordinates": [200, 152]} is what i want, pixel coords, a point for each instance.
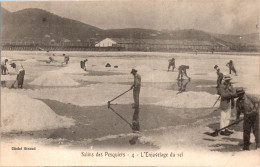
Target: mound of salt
{"type": "Point", "coordinates": [54, 79]}
{"type": "Point", "coordinates": [22, 113]}
{"type": "Point", "coordinates": [31, 61]}
{"type": "Point", "coordinates": [190, 100]}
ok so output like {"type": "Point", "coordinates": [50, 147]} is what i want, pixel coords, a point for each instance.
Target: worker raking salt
{"type": "Point", "coordinates": [20, 75]}
{"type": "Point", "coordinates": [231, 67]}
{"type": "Point", "coordinates": [249, 106]}
{"type": "Point", "coordinates": [4, 68]}
{"type": "Point", "coordinates": [136, 92]}
{"type": "Point", "coordinates": [83, 64]}
{"type": "Point", "coordinates": [182, 71]}
{"type": "Point", "coordinates": [227, 94]}
{"type": "Point", "coordinates": [66, 59]}
{"type": "Point", "coordinates": [171, 64]}
{"type": "Point", "coordinates": [220, 75]}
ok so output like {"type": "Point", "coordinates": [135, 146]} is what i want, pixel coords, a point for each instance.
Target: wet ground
{"type": "Point", "coordinates": [99, 127]}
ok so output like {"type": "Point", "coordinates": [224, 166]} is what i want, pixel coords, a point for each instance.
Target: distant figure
{"type": "Point", "coordinates": [83, 64]}
{"type": "Point", "coordinates": [220, 76]}
{"type": "Point", "coordinates": [20, 74]}
{"type": "Point", "coordinates": [171, 64]}
{"type": "Point", "coordinates": [4, 68]}
{"type": "Point", "coordinates": [50, 60]}
{"type": "Point", "coordinates": [196, 51]}
{"type": "Point", "coordinates": [182, 85]}
{"type": "Point", "coordinates": [66, 59]}
{"type": "Point", "coordinates": [182, 71]}
{"type": "Point", "coordinates": [212, 50]}
{"type": "Point", "coordinates": [231, 67]}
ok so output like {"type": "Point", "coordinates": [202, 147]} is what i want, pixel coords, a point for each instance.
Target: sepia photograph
{"type": "Point", "coordinates": [130, 83]}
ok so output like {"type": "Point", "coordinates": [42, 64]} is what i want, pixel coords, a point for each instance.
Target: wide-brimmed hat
{"type": "Point", "coordinates": [240, 91]}
{"type": "Point", "coordinates": [227, 78]}
{"type": "Point", "coordinates": [133, 71]}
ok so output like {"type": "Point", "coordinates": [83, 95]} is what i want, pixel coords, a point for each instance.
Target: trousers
{"type": "Point", "coordinates": [225, 117]}
{"type": "Point", "coordinates": [251, 122]}
{"type": "Point", "coordinates": [20, 79]}
{"type": "Point", "coordinates": [232, 69]}
{"type": "Point", "coordinates": [136, 93]}
{"type": "Point", "coordinates": [169, 66]}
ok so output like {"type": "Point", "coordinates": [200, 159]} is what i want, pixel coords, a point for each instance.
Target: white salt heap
{"type": "Point", "coordinates": [54, 79]}
{"type": "Point", "coordinates": [22, 113]}
{"type": "Point", "coordinates": [72, 68]}
{"type": "Point", "coordinates": [190, 100]}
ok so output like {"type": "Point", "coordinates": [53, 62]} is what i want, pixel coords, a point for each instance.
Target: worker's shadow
{"type": "Point", "coordinates": [135, 127]}
{"type": "Point", "coordinates": [182, 85]}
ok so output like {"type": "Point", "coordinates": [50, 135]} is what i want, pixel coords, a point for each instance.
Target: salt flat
{"type": "Point", "coordinates": [74, 101]}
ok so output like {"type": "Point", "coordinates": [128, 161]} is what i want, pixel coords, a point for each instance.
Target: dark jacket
{"type": "Point", "coordinates": [227, 93]}
{"type": "Point", "coordinates": [247, 105]}
{"type": "Point", "coordinates": [137, 81]}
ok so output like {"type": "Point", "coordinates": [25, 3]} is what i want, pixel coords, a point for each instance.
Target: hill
{"type": "Point", "coordinates": [34, 24]}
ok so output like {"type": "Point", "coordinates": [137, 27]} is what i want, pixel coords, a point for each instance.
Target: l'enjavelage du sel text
{"type": "Point", "coordinates": [141, 154]}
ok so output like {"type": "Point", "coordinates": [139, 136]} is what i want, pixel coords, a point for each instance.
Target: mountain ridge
{"type": "Point", "coordinates": [38, 24]}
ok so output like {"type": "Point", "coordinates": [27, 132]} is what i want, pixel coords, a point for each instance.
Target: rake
{"type": "Point", "coordinates": [215, 133]}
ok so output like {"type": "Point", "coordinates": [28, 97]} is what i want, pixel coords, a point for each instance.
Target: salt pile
{"type": "Point", "coordinates": [190, 100]}
{"type": "Point", "coordinates": [72, 69]}
{"type": "Point", "coordinates": [54, 79]}
{"type": "Point", "coordinates": [21, 113]}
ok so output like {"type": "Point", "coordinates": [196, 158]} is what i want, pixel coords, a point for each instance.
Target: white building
{"type": "Point", "coordinates": [106, 43]}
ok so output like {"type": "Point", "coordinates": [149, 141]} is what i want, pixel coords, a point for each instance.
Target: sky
{"type": "Point", "coordinates": [215, 16]}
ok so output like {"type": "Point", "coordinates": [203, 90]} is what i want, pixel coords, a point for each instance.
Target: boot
{"type": "Point", "coordinates": [229, 131]}
{"type": "Point", "coordinates": [246, 148]}
{"type": "Point", "coordinates": [223, 133]}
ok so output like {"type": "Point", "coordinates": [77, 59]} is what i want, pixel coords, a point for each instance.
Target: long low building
{"type": "Point", "coordinates": [167, 45]}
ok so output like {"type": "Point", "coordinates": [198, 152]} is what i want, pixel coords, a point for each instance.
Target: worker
{"type": "Point", "coordinates": [171, 64]}
{"type": "Point", "coordinates": [20, 74]}
{"type": "Point", "coordinates": [136, 87]}
{"type": "Point", "coordinates": [182, 70]}
{"type": "Point", "coordinates": [212, 50]}
{"type": "Point", "coordinates": [220, 76]}
{"type": "Point", "coordinates": [227, 94]}
{"type": "Point", "coordinates": [50, 59]}
{"type": "Point", "coordinates": [249, 106]}
{"type": "Point", "coordinates": [66, 58]}
{"type": "Point", "coordinates": [231, 67]}
{"type": "Point", "coordinates": [83, 64]}
{"type": "Point", "coordinates": [4, 68]}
